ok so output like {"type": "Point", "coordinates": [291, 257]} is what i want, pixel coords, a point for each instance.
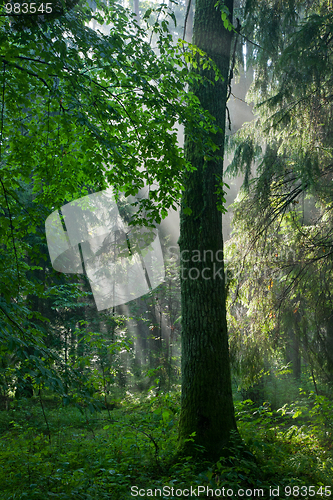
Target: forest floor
{"type": "Point", "coordinates": [128, 452]}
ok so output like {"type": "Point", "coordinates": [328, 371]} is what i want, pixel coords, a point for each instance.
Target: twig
{"type": "Point", "coordinates": [31, 73]}
{"type": "Point", "coordinates": [13, 238]}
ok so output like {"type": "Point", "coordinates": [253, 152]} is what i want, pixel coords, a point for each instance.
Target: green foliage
{"type": "Point", "coordinates": [225, 15]}
{"type": "Point", "coordinates": [101, 455]}
{"type": "Point", "coordinates": [82, 109]}
{"type": "Point", "coordinates": [109, 112]}
{"type": "Point", "coordinates": [287, 447]}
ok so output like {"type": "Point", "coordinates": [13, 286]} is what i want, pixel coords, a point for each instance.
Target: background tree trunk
{"type": "Point", "coordinates": [189, 20]}
{"type": "Point", "coordinates": [293, 355]}
{"type": "Point", "coordinates": [136, 10]}
{"type": "Point", "coordinates": [206, 402]}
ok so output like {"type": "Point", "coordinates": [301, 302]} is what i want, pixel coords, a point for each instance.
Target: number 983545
{"type": "Point", "coordinates": [28, 8]}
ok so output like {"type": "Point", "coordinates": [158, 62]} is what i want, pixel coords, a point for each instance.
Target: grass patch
{"type": "Point", "coordinates": [102, 455]}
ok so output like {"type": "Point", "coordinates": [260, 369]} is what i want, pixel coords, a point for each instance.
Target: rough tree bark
{"type": "Point", "coordinates": [206, 402]}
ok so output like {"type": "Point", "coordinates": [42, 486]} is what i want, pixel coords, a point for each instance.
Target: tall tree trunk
{"type": "Point", "coordinates": [293, 355]}
{"type": "Point", "coordinates": [297, 359]}
{"type": "Point", "coordinates": [136, 10]}
{"type": "Point", "coordinates": [206, 402]}
{"type": "Point", "coordinates": [329, 345]}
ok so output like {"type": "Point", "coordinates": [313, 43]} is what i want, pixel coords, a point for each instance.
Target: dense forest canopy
{"type": "Point", "coordinates": [219, 375]}
{"type": "Point", "coordinates": [83, 110]}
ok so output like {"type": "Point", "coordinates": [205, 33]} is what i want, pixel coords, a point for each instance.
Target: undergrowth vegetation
{"type": "Point", "coordinates": [130, 450]}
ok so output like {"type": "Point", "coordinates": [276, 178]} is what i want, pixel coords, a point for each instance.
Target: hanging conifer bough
{"type": "Point", "coordinates": [207, 419]}
{"type": "Point", "coordinates": [290, 143]}
{"type": "Point", "coordinates": [287, 204]}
